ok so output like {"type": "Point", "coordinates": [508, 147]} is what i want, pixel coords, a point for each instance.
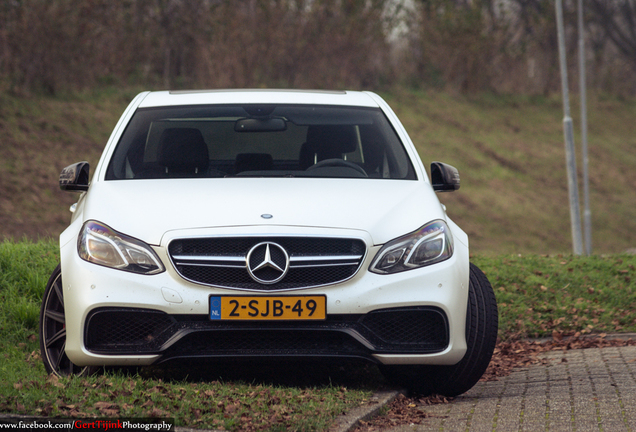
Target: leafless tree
{"type": "Point", "coordinates": [617, 18]}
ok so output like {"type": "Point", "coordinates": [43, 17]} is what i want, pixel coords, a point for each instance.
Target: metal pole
{"type": "Point", "coordinates": [587, 214]}
{"type": "Point", "coordinates": [568, 132]}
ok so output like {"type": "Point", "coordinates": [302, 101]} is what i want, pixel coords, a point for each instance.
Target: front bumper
{"type": "Point", "coordinates": [119, 318]}
{"type": "Point", "coordinates": [127, 331]}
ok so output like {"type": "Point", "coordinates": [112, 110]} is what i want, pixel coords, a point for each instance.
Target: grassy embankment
{"type": "Point", "coordinates": [537, 295]}
{"type": "Point", "coordinates": [510, 154]}
{"type": "Point", "coordinates": [508, 149]}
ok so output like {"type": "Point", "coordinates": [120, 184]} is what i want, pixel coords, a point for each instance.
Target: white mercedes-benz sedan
{"type": "Point", "coordinates": [262, 224]}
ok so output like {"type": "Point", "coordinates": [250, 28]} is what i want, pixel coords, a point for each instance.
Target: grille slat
{"type": "Point", "coordinates": [222, 262]}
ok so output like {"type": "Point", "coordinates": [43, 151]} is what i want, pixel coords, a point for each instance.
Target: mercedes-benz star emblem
{"type": "Point", "coordinates": [267, 263]}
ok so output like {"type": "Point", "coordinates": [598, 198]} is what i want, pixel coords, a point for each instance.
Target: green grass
{"type": "Point", "coordinates": [24, 271]}
{"type": "Point", "coordinates": [537, 295]}
{"type": "Point", "coordinates": [212, 404]}
{"type": "Point", "coordinates": [232, 398]}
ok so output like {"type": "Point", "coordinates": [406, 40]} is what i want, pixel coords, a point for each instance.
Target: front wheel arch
{"type": "Point", "coordinates": [482, 323]}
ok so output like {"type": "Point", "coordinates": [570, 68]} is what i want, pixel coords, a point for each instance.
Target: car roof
{"type": "Point", "coordinates": [258, 96]}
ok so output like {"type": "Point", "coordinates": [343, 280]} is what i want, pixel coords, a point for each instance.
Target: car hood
{"type": "Point", "coordinates": [147, 209]}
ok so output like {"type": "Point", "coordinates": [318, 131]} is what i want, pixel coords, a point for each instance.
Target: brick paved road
{"type": "Point", "coordinates": [581, 390]}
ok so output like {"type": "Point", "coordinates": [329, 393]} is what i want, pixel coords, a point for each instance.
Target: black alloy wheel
{"type": "Point", "coordinates": [53, 329]}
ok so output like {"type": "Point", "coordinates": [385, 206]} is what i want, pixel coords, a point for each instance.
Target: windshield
{"type": "Point", "coordinates": [259, 141]}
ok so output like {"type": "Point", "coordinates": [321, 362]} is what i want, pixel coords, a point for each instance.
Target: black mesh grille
{"type": "Point", "coordinates": [408, 327]}
{"type": "Point", "coordinates": [139, 331]}
{"type": "Point", "coordinates": [110, 330]}
{"type": "Point", "coordinates": [309, 274]}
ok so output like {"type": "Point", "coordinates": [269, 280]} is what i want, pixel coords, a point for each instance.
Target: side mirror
{"type": "Point", "coordinates": [74, 178]}
{"type": "Point", "coordinates": [444, 177]}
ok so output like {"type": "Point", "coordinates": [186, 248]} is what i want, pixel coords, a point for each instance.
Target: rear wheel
{"type": "Point", "coordinates": [481, 336]}
{"type": "Point", "coordinates": [53, 329]}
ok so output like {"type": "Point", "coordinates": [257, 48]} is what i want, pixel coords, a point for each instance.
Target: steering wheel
{"type": "Point", "coordinates": [338, 163]}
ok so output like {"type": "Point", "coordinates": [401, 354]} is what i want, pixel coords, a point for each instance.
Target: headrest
{"type": "Point", "coordinates": [183, 150]}
{"type": "Point", "coordinates": [373, 146]}
{"type": "Point", "coordinates": [331, 141]}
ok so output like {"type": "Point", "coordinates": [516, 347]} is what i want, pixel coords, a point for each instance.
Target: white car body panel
{"type": "Point", "coordinates": [194, 203]}
{"type": "Point", "coordinates": [442, 286]}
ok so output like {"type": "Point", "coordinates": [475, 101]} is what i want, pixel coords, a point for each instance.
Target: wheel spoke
{"type": "Point", "coordinates": [58, 361]}
{"type": "Point", "coordinates": [55, 316]}
{"type": "Point", "coordinates": [57, 286]}
{"type": "Point", "coordinates": [61, 335]}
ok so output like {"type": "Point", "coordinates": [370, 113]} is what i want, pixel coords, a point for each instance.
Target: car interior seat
{"type": "Point", "coordinates": [183, 152]}
{"type": "Point", "coordinates": [326, 142]}
{"type": "Point", "coordinates": [373, 149]}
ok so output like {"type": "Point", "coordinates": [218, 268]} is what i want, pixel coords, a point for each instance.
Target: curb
{"type": "Point", "coordinates": [348, 421]}
{"type": "Point", "coordinates": [608, 336]}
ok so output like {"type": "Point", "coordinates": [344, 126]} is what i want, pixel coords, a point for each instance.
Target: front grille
{"type": "Point", "coordinates": [119, 331]}
{"type": "Point", "coordinates": [127, 330]}
{"type": "Point", "coordinates": [408, 327]}
{"type": "Point", "coordinates": [222, 261]}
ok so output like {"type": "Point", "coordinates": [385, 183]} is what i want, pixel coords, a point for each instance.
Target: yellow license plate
{"type": "Point", "coordinates": [309, 307]}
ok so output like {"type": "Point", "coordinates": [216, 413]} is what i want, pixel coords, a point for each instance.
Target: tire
{"type": "Point", "coordinates": [481, 336]}
{"type": "Point", "coordinates": [53, 330]}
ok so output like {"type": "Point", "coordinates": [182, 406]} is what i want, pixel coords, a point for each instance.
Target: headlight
{"type": "Point", "coordinates": [428, 245]}
{"type": "Point", "coordinates": [102, 245]}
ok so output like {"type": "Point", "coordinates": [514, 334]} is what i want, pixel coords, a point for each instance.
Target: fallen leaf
{"type": "Point", "coordinates": [104, 405]}
{"type": "Point", "coordinates": [231, 409]}
{"type": "Point", "coordinates": [156, 412]}
{"type": "Point", "coordinates": [54, 380]}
